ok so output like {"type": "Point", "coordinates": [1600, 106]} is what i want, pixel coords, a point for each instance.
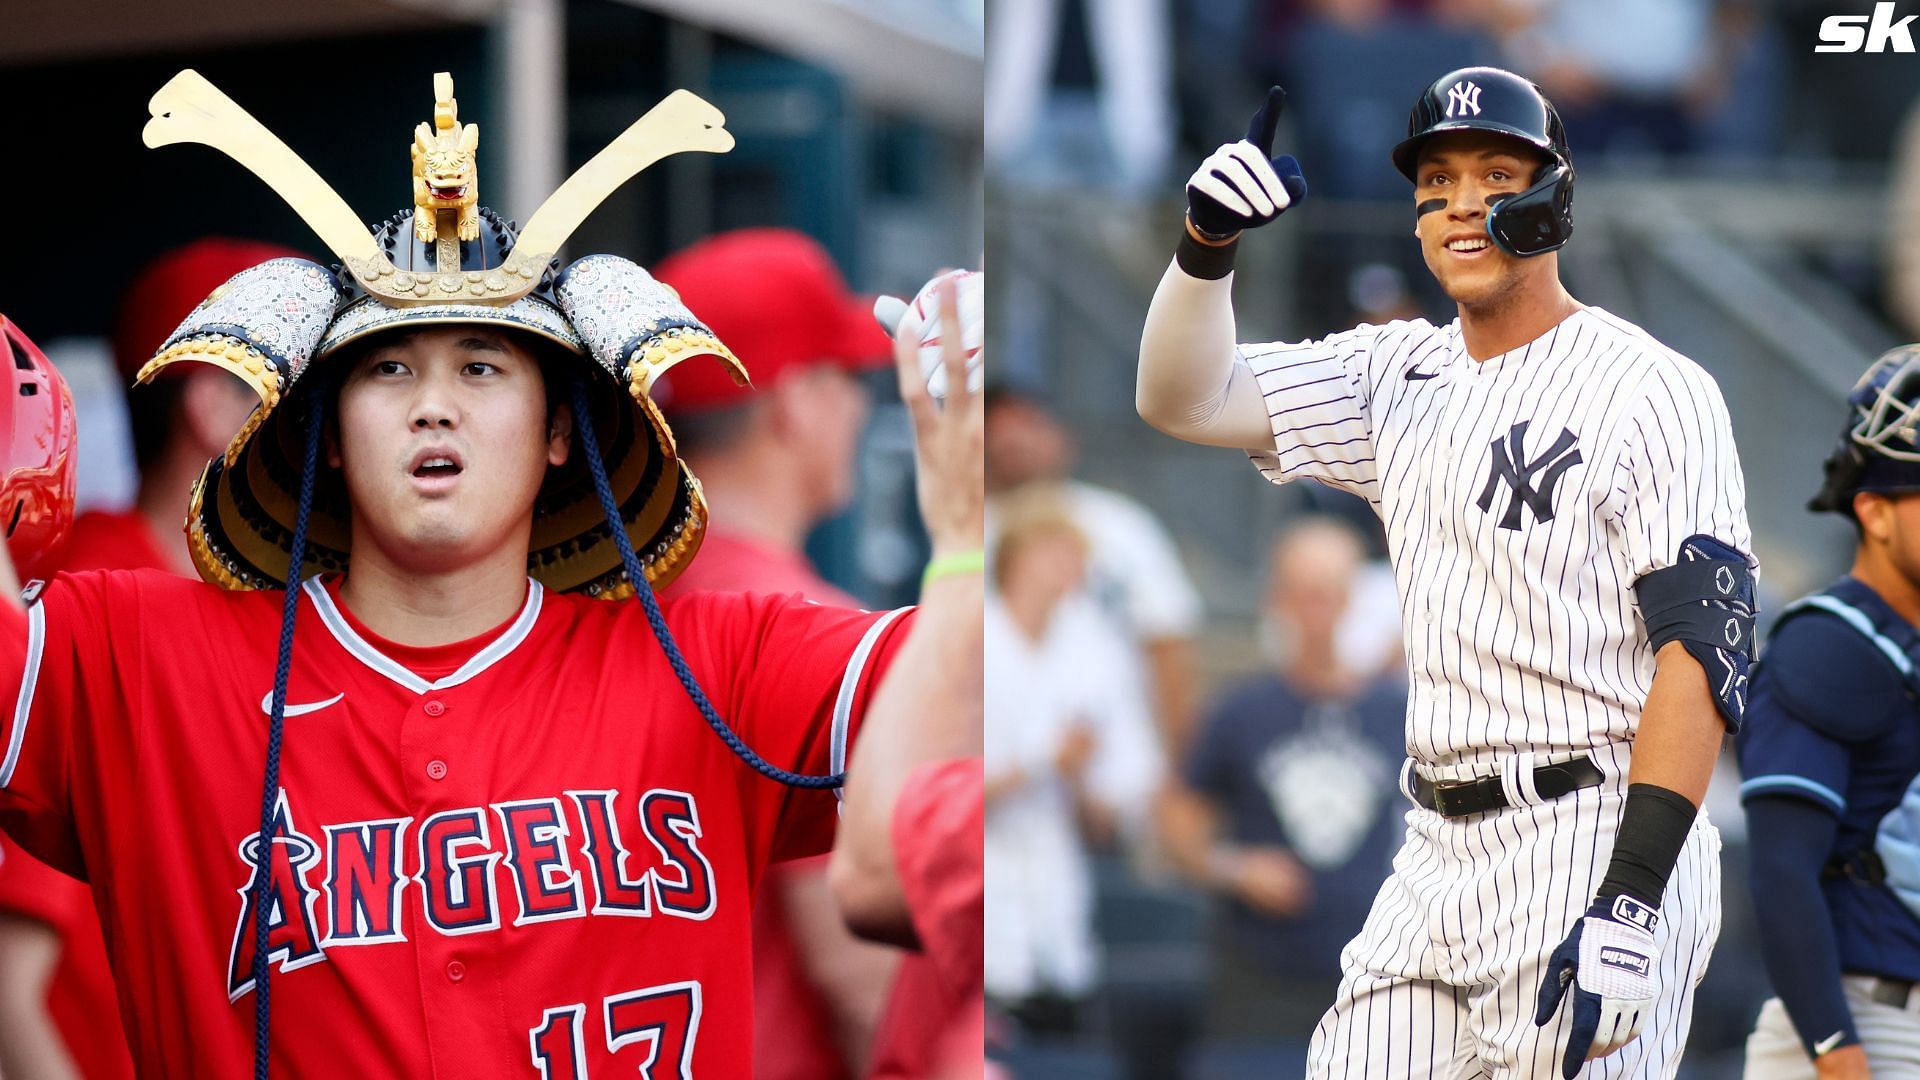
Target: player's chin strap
{"type": "Point", "coordinates": [590, 446]}
{"type": "Point", "coordinates": [270, 795]}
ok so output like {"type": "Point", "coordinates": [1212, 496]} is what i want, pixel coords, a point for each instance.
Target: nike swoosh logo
{"type": "Point", "coordinates": [1416, 376]}
{"type": "Point", "coordinates": [266, 705]}
{"type": "Point", "coordinates": [1828, 1043]}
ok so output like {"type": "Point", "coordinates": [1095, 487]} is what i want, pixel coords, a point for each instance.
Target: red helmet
{"type": "Point", "coordinates": [37, 436]}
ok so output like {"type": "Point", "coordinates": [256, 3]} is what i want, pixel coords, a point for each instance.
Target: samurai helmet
{"type": "Point", "coordinates": [445, 259]}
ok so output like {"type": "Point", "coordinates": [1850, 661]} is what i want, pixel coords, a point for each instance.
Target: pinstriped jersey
{"type": "Point", "coordinates": [1523, 496]}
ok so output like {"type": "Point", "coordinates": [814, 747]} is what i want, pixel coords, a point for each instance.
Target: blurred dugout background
{"type": "Point", "coordinates": [1749, 202]}
{"type": "Point", "coordinates": [856, 123]}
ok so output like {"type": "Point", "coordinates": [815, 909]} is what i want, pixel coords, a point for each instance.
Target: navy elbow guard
{"type": "Point", "coordinates": [1705, 602]}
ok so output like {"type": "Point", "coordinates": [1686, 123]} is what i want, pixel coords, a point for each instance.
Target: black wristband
{"type": "Point", "coordinates": [1208, 262]}
{"type": "Point", "coordinates": [1653, 827]}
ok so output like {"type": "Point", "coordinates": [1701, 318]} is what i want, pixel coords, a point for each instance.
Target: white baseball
{"type": "Point", "coordinates": [919, 320]}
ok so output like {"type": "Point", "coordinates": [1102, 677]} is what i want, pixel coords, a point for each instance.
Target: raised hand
{"type": "Point", "coordinates": [948, 436]}
{"type": "Point", "coordinates": [1242, 185]}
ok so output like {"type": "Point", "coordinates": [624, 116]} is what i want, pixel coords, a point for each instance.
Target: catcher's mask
{"type": "Point", "coordinates": [1877, 449]}
{"type": "Point", "coordinates": [1531, 222]}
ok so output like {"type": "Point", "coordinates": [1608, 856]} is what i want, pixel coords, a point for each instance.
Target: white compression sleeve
{"type": "Point", "coordinates": [1192, 384]}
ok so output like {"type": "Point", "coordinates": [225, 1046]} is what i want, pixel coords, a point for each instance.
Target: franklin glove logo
{"type": "Point", "coordinates": [1876, 33]}
{"type": "Point", "coordinates": [1624, 960]}
{"type": "Point", "coordinates": [1509, 464]}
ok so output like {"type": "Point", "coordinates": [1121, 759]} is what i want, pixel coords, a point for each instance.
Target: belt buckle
{"type": "Point", "coordinates": [1895, 992]}
{"type": "Point", "coordinates": [1443, 803]}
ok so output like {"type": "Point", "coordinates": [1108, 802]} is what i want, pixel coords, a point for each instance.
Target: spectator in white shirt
{"type": "Point", "coordinates": [1135, 582]}
{"type": "Point", "coordinates": [1071, 760]}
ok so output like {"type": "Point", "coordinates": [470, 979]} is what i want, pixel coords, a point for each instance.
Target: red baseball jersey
{"type": "Point", "coordinates": [81, 998]}
{"type": "Point", "coordinates": [522, 855]}
{"type": "Point", "coordinates": [935, 1021]}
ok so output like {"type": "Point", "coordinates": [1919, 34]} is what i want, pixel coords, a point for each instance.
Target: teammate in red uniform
{"type": "Point", "coordinates": [57, 1012]}
{"type": "Point", "coordinates": [177, 423]}
{"type": "Point", "coordinates": [779, 457]}
{"type": "Point", "coordinates": [909, 865]}
{"type": "Point", "coordinates": [776, 459]}
{"type": "Point", "coordinates": [496, 837]}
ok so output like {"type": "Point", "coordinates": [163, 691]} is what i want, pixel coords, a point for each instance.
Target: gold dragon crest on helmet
{"type": "Point", "coordinates": [446, 180]}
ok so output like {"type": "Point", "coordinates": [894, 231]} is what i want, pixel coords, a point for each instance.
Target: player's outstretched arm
{"type": "Point", "coordinates": [1190, 384]}
{"type": "Point", "coordinates": [928, 706]}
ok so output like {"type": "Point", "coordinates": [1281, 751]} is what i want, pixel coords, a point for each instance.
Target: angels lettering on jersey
{"type": "Point", "coordinates": [349, 884]}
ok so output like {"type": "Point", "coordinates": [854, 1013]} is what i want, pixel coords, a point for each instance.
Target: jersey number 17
{"type": "Point", "coordinates": [666, 1018]}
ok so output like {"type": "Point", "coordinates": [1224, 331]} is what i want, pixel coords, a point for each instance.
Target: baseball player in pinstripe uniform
{"type": "Point", "coordinates": [1566, 519]}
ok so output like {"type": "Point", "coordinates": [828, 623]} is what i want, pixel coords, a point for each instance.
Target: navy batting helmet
{"type": "Point", "coordinates": [1537, 220]}
{"type": "Point", "coordinates": [1878, 450]}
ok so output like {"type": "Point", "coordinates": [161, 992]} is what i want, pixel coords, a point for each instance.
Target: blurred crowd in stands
{"type": "Point", "coordinates": [1122, 92]}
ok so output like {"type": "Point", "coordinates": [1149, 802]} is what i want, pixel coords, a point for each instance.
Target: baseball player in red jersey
{"type": "Point", "coordinates": [909, 864]}
{"type": "Point", "coordinates": [776, 459]}
{"type": "Point", "coordinates": [496, 836]}
{"type": "Point", "coordinates": [57, 1013]}
{"type": "Point", "coordinates": [177, 423]}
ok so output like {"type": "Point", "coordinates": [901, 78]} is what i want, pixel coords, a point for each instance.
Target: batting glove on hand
{"type": "Point", "coordinates": [1241, 185]}
{"type": "Point", "coordinates": [1609, 960]}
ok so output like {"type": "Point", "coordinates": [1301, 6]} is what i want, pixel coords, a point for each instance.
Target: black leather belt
{"type": "Point", "coordinates": [1864, 866]}
{"type": "Point", "coordinates": [1460, 798]}
{"type": "Point", "coordinates": [1894, 992]}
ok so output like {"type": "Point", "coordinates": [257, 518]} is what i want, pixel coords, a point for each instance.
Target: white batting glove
{"type": "Point", "coordinates": [1240, 186]}
{"type": "Point", "coordinates": [1611, 962]}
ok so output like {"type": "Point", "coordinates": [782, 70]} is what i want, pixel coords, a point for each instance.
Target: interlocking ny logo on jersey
{"type": "Point", "coordinates": [1511, 465]}
{"type": "Point", "coordinates": [1463, 97]}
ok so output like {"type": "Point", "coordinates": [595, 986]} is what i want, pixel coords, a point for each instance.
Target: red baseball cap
{"type": "Point", "coordinates": [777, 300]}
{"type": "Point", "coordinates": [172, 285]}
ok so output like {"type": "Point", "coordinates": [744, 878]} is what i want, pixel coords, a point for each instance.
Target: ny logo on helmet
{"type": "Point", "coordinates": [1463, 97]}
{"type": "Point", "coordinates": [1510, 465]}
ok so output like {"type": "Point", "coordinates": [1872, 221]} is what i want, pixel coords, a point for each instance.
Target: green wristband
{"type": "Point", "coordinates": [960, 562]}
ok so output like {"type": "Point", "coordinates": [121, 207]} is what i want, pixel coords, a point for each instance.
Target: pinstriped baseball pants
{"type": "Point", "coordinates": [1442, 980]}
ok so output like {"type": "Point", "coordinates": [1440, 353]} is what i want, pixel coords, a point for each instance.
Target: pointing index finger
{"type": "Point", "coordinates": [1267, 121]}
